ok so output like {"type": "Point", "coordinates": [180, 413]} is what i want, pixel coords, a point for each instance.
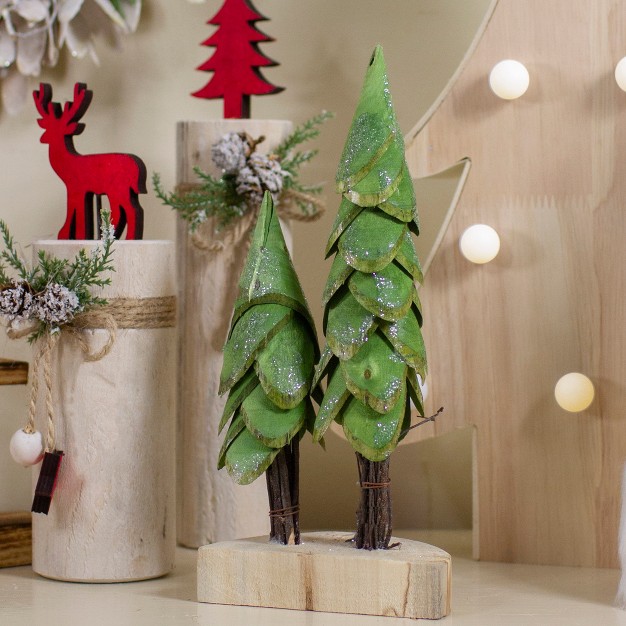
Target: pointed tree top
{"type": "Point", "coordinates": [242, 9]}
{"type": "Point", "coordinates": [374, 139]}
{"type": "Point", "coordinates": [268, 274]}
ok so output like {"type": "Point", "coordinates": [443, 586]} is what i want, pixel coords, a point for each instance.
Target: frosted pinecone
{"type": "Point", "coordinates": [229, 153]}
{"type": "Point", "coordinates": [16, 301]}
{"type": "Point", "coordinates": [56, 305]}
{"type": "Point", "coordinates": [249, 186]}
{"type": "Point", "coordinates": [270, 172]}
{"type": "Point", "coordinates": [260, 174]}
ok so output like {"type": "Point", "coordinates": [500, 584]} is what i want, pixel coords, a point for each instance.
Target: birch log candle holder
{"type": "Point", "coordinates": [211, 507]}
{"type": "Point", "coordinates": [112, 518]}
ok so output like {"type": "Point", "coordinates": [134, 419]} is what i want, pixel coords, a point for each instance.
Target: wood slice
{"type": "Point", "coordinates": [113, 512]}
{"type": "Point", "coordinates": [211, 506]}
{"type": "Point", "coordinates": [13, 372]}
{"type": "Point", "coordinates": [327, 573]}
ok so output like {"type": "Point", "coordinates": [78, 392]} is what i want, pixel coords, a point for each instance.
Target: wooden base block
{"type": "Point", "coordinates": [327, 573]}
{"type": "Point", "coordinates": [15, 539]}
{"type": "Point", "coordinates": [13, 372]}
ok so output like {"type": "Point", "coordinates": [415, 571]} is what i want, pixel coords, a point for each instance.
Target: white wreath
{"type": "Point", "coordinates": [32, 32]}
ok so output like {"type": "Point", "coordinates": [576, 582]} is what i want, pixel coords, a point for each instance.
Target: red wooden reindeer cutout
{"type": "Point", "coordinates": [120, 177]}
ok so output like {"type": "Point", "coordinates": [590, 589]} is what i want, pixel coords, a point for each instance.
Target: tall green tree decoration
{"type": "Point", "coordinates": [269, 360]}
{"type": "Point", "coordinates": [372, 316]}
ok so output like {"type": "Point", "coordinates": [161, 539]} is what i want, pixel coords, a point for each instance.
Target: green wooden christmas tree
{"type": "Point", "coordinates": [268, 368]}
{"type": "Point", "coordinates": [372, 316]}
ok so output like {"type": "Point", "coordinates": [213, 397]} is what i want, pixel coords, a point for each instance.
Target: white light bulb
{"type": "Point", "coordinates": [620, 74]}
{"type": "Point", "coordinates": [509, 79]}
{"type": "Point", "coordinates": [479, 243]}
{"type": "Point", "coordinates": [574, 392]}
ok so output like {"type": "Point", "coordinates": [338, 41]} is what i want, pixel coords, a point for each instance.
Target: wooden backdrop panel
{"type": "Point", "coordinates": [547, 175]}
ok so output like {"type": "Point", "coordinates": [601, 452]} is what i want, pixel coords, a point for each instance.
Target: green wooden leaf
{"type": "Point", "coordinates": [407, 258]}
{"type": "Point", "coordinates": [380, 183]}
{"type": "Point", "coordinates": [347, 212]}
{"type": "Point", "coordinates": [237, 395]}
{"type": "Point", "coordinates": [271, 425]}
{"type": "Point", "coordinates": [401, 203]}
{"type": "Point", "coordinates": [417, 306]}
{"type": "Point", "coordinates": [405, 336]}
{"type": "Point", "coordinates": [339, 273]}
{"type": "Point", "coordinates": [268, 275]}
{"type": "Point", "coordinates": [414, 224]}
{"type": "Point", "coordinates": [236, 426]}
{"type": "Point", "coordinates": [324, 365]}
{"type": "Point", "coordinates": [373, 156]}
{"type": "Point", "coordinates": [247, 458]}
{"type": "Point", "coordinates": [373, 435]}
{"type": "Point", "coordinates": [348, 326]}
{"type": "Point", "coordinates": [375, 375]}
{"type": "Point", "coordinates": [387, 294]}
{"type": "Point", "coordinates": [285, 365]}
{"type": "Point", "coordinates": [251, 333]}
{"type": "Point", "coordinates": [371, 241]}
{"type": "Point", "coordinates": [335, 397]}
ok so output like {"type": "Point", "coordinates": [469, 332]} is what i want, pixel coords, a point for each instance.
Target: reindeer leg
{"type": "Point", "coordinates": [118, 219]}
{"type": "Point", "coordinates": [68, 230]}
{"type": "Point", "coordinates": [135, 218]}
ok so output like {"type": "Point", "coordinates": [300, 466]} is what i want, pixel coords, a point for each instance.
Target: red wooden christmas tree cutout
{"type": "Point", "coordinates": [120, 177]}
{"type": "Point", "coordinates": [236, 59]}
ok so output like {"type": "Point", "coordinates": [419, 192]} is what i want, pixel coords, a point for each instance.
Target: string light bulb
{"type": "Point", "coordinates": [479, 243]}
{"type": "Point", "coordinates": [509, 79]}
{"type": "Point", "coordinates": [620, 74]}
{"type": "Point", "coordinates": [574, 392]}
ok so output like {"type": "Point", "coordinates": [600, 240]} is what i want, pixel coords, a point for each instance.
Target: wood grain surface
{"type": "Point", "coordinates": [112, 517]}
{"type": "Point", "coordinates": [13, 372]}
{"type": "Point", "coordinates": [327, 573]}
{"type": "Point", "coordinates": [15, 539]}
{"type": "Point", "coordinates": [547, 175]}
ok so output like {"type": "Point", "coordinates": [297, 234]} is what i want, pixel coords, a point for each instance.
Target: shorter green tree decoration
{"type": "Point", "coordinates": [269, 360]}
{"type": "Point", "coordinates": [372, 316]}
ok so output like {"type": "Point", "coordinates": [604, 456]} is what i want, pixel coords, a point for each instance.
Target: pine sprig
{"type": "Point", "coordinates": [305, 132]}
{"type": "Point", "coordinates": [67, 283]}
{"type": "Point", "coordinates": [10, 255]}
{"type": "Point", "coordinates": [220, 198]}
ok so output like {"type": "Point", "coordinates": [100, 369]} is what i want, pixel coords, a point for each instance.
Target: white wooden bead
{"type": "Point", "coordinates": [26, 448]}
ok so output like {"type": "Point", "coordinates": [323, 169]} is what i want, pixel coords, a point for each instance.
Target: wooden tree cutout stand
{"type": "Point", "coordinates": [547, 481]}
{"type": "Point", "coordinates": [327, 573]}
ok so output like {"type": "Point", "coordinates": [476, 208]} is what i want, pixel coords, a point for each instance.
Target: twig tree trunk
{"type": "Point", "coordinates": [373, 519]}
{"type": "Point", "coordinates": [283, 494]}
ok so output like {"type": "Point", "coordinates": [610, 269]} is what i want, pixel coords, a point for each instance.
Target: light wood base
{"type": "Point", "coordinates": [326, 573]}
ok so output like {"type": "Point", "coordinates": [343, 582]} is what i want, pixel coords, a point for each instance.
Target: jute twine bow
{"type": "Point", "coordinates": [242, 226]}
{"type": "Point", "coordinates": [119, 313]}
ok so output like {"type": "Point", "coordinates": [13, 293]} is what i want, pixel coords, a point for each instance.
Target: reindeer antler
{"type": "Point", "coordinates": [74, 110]}
{"type": "Point", "coordinates": [42, 98]}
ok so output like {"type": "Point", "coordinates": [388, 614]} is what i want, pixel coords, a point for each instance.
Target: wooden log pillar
{"type": "Point", "coordinates": [112, 516]}
{"type": "Point", "coordinates": [211, 506]}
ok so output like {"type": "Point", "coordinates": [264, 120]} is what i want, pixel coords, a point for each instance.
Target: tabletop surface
{"type": "Point", "coordinates": [483, 594]}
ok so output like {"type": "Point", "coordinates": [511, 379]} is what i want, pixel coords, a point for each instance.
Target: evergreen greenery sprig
{"type": "Point", "coordinates": [54, 290]}
{"type": "Point", "coordinates": [246, 177]}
